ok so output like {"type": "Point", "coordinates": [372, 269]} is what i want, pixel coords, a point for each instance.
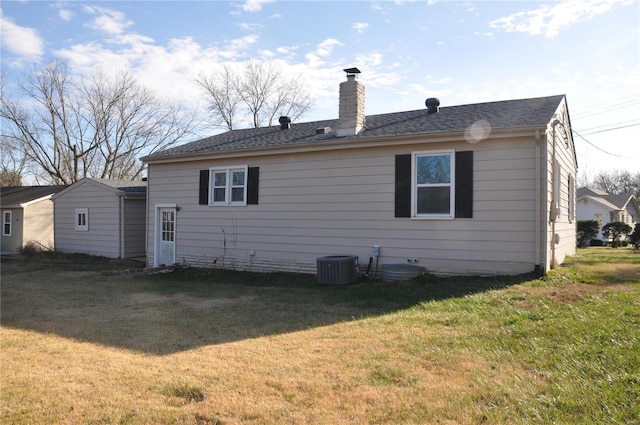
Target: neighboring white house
{"type": "Point", "coordinates": [101, 217]}
{"type": "Point", "coordinates": [27, 216]}
{"type": "Point", "coordinates": [485, 188]}
{"type": "Point", "coordinates": [594, 204]}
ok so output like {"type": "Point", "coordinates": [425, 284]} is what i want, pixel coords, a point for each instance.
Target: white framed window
{"type": "Point", "coordinates": [557, 198]}
{"type": "Point", "coordinates": [82, 219]}
{"type": "Point", "coordinates": [6, 223]}
{"type": "Point", "coordinates": [572, 190]}
{"type": "Point", "coordinates": [228, 186]}
{"type": "Point", "coordinates": [433, 184]}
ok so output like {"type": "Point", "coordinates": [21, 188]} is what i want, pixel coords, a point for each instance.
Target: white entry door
{"type": "Point", "coordinates": [166, 234]}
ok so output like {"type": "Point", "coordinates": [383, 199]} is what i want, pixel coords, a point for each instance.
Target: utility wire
{"type": "Point", "coordinates": [598, 148]}
{"type": "Point", "coordinates": [610, 106]}
{"type": "Point", "coordinates": [633, 121]}
{"type": "Point", "coordinates": [610, 129]}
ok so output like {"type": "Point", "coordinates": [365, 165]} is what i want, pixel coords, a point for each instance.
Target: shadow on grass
{"type": "Point", "coordinates": [82, 299]}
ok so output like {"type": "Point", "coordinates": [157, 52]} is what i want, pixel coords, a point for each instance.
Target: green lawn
{"type": "Point", "coordinates": [81, 344]}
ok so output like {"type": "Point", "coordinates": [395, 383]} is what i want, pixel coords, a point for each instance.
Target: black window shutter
{"type": "Point", "coordinates": [403, 186]}
{"type": "Point", "coordinates": [204, 188]}
{"type": "Point", "coordinates": [253, 179]}
{"type": "Point", "coordinates": [464, 184]}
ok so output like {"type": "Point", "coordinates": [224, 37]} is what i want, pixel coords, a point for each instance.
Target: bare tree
{"type": "Point", "coordinates": [12, 164]}
{"type": "Point", "coordinates": [93, 127]}
{"type": "Point", "coordinates": [618, 182]}
{"type": "Point", "coordinates": [258, 96]}
{"type": "Point", "coordinates": [222, 92]}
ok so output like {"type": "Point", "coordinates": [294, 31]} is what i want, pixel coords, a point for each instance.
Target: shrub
{"type": "Point", "coordinates": [31, 248]}
{"type": "Point", "coordinates": [634, 238]}
{"type": "Point", "coordinates": [615, 230]}
{"type": "Point", "coordinates": [586, 230]}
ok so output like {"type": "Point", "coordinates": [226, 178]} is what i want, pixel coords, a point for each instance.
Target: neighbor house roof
{"type": "Point", "coordinates": [21, 196]}
{"type": "Point", "coordinates": [509, 114]}
{"type": "Point", "coordinates": [127, 188]}
{"type": "Point", "coordinates": [619, 202]}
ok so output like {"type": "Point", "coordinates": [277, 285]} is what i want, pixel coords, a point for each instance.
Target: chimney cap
{"type": "Point", "coordinates": [352, 71]}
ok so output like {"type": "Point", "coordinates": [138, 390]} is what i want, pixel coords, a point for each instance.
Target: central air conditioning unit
{"type": "Point", "coordinates": [337, 269]}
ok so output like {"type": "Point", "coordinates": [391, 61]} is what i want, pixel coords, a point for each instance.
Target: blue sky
{"type": "Point", "coordinates": [461, 52]}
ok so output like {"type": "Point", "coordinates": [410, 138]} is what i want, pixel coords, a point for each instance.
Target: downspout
{"type": "Point", "coordinates": [121, 226]}
{"type": "Point", "coordinates": [539, 218]}
{"type": "Point", "coordinates": [554, 207]}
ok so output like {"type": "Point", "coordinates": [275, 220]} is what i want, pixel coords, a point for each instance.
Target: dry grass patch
{"type": "Point", "coordinates": [80, 346]}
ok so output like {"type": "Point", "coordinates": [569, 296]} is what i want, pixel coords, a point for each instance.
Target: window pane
{"type": "Point", "coordinates": [433, 169]}
{"type": "Point", "coordinates": [220, 179]}
{"type": "Point", "coordinates": [219, 194]}
{"type": "Point", "coordinates": [7, 228]}
{"type": "Point", "coordinates": [238, 178]}
{"type": "Point", "coordinates": [237, 194]}
{"type": "Point", "coordinates": [434, 200]}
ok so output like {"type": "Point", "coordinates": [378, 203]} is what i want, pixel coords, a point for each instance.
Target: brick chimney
{"type": "Point", "coordinates": [351, 112]}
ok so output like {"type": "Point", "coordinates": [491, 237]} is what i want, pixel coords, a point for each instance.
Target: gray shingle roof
{"type": "Point", "coordinates": [618, 201]}
{"type": "Point", "coordinates": [21, 194]}
{"type": "Point", "coordinates": [127, 186]}
{"type": "Point", "coordinates": [500, 115]}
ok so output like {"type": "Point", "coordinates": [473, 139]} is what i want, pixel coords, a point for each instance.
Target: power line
{"type": "Point", "coordinates": [609, 125]}
{"type": "Point", "coordinates": [625, 102]}
{"type": "Point", "coordinates": [611, 129]}
{"type": "Point", "coordinates": [598, 148]}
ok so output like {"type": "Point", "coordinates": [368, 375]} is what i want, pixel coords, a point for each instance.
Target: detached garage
{"type": "Point", "coordinates": [101, 217]}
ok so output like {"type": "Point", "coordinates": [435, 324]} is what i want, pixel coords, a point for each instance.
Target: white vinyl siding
{"type": "Point", "coordinates": [114, 226]}
{"type": "Point", "coordinates": [102, 235]}
{"type": "Point", "coordinates": [33, 223]}
{"type": "Point", "coordinates": [38, 224]}
{"type": "Point", "coordinates": [561, 234]}
{"type": "Point", "coordinates": [342, 203]}
{"type": "Point", "coordinates": [134, 228]}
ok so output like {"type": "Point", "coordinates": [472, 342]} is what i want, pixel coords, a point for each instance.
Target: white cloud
{"type": "Point", "coordinates": [369, 60]}
{"type": "Point", "coordinates": [108, 20]}
{"type": "Point", "coordinates": [65, 14]}
{"type": "Point", "coordinates": [252, 6]}
{"type": "Point", "coordinates": [360, 27]}
{"type": "Point", "coordinates": [22, 41]}
{"type": "Point", "coordinates": [326, 47]}
{"type": "Point", "coordinates": [550, 19]}
{"type": "Point", "coordinates": [250, 27]}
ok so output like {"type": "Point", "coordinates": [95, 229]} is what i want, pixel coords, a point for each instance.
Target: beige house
{"type": "Point", "coordinates": [27, 217]}
{"type": "Point", "coordinates": [484, 188]}
{"type": "Point", "coordinates": [101, 217]}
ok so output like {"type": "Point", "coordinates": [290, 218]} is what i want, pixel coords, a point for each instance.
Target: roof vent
{"type": "Point", "coordinates": [285, 123]}
{"type": "Point", "coordinates": [323, 130]}
{"type": "Point", "coordinates": [432, 104]}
